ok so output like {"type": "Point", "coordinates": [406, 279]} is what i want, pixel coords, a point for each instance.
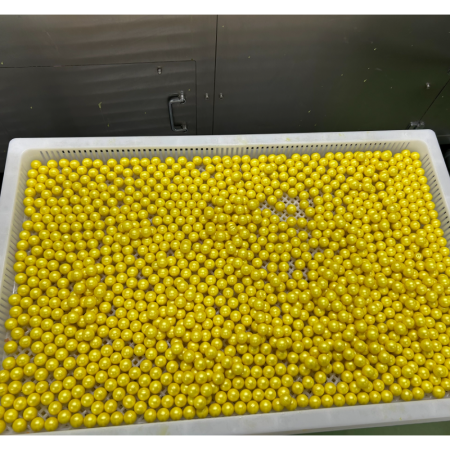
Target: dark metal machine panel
{"type": "Point", "coordinates": [437, 118]}
{"type": "Point", "coordinates": [321, 73]}
{"type": "Point", "coordinates": [97, 100]}
{"type": "Point", "coordinates": [81, 40]}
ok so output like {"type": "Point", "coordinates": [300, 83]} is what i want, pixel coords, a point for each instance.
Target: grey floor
{"type": "Point", "coordinates": [433, 428]}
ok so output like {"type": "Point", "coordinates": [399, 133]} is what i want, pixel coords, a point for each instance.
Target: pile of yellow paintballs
{"type": "Point", "coordinates": [151, 290]}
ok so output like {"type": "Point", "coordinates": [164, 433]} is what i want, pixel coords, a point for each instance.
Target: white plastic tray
{"type": "Point", "coordinates": [22, 151]}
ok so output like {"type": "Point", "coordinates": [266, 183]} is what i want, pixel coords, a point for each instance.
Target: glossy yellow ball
{"type": "Point", "coordinates": [51, 424]}
{"type": "Point", "coordinates": [150, 415]}
{"type": "Point", "coordinates": [19, 426]}
{"type": "Point", "coordinates": [37, 424]}
{"type": "Point", "coordinates": [117, 418]}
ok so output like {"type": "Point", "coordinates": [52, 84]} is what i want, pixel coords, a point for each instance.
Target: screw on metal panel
{"type": "Point", "coordinates": [159, 71]}
{"type": "Point", "coordinates": [428, 85]}
{"type": "Point", "coordinates": [221, 95]}
{"type": "Point", "coordinates": [206, 96]}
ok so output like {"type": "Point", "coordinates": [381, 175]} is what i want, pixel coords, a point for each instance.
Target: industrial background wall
{"type": "Point", "coordinates": [115, 75]}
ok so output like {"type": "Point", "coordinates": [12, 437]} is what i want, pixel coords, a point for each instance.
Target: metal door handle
{"type": "Point", "coordinates": [180, 98]}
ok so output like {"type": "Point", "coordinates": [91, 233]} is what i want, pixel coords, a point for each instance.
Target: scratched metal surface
{"type": "Point", "coordinates": [52, 41]}
{"type": "Point", "coordinates": [96, 100]}
{"type": "Point", "coordinates": [321, 73]}
{"type": "Point", "coordinates": [275, 73]}
{"type": "Point", "coordinates": [79, 40]}
{"type": "Point", "coordinates": [437, 117]}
